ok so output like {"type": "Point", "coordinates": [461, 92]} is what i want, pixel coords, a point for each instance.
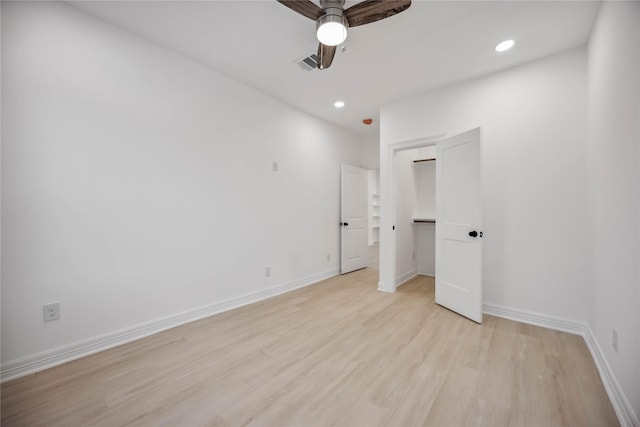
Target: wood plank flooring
{"type": "Point", "coordinates": [335, 353]}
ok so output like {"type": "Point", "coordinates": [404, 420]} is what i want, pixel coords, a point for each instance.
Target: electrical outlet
{"type": "Point", "coordinates": [51, 311]}
{"type": "Point", "coordinates": [274, 166]}
{"type": "Point", "coordinates": [614, 339]}
{"type": "Point", "coordinates": [413, 256]}
{"type": "Point", "coordinates": [328, 257]}
{"type": "Point", "coordinates": [267, 272]}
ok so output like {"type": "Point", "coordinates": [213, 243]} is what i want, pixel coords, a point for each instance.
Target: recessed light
{"type": "Point", "coordinates": [338, 104]}
{"type": "Point", "coordinates": [505, 45]}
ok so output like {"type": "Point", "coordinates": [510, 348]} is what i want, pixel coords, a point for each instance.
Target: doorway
{"type": "Point", "coordinates": [353, 222]}
{"type": "Point", "coordinates": [388, 183]}
{"type": "Point", "coordinates": [458, 221]}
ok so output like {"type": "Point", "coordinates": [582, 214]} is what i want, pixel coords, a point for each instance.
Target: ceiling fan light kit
{"type": "Point", "coordinates": [331, 29]}
{"type": "Point", "coordinates": [332, 20]}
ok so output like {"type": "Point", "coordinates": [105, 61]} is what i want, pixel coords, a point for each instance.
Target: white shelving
{"type": "Point", "coordinates": [374, 206]}
{"type": "Point", "coordinates": [375, 216]}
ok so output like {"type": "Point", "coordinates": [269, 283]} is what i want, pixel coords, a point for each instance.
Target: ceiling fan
{"type": "Point", "coordinates": [332, 20]}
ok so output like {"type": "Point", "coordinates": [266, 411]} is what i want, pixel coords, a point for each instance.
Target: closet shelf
{"type": "Point", "coordinates": [424, 220]}
{"type": "Point", "coordinates": [424, 160]}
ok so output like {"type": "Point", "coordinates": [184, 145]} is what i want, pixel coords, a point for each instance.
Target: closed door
{"type": "Point", "coordinates": [353, 224]}
{"type": "Point", "coordinates": [459, 225]}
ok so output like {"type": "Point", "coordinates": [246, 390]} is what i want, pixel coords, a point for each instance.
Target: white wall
{"type": "Point", "coordinates": [371, 151]}
{"type": "Point", "coordinates": [614, 164]}
{"type": "Point", "coordinates": [426, 248]}
{"type": "Point", "coordinates": [424, 174]}
{"type": "Point", "coordinates": [137, 184]}
{"type": "Point", "coordinates": [533, 120]}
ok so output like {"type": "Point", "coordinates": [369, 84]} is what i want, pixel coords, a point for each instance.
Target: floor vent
{"type": "Point", "coordinates": [309, 63]}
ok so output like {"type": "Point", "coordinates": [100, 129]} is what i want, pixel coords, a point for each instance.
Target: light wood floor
{"type": "Point", "coordinates": [335, 353]}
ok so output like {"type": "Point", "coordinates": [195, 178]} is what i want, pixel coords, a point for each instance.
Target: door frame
{"type": "Point", "coordinates": [387, 245]}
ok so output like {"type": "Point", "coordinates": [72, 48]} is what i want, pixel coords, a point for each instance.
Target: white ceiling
{"type": "Point", "coordinates": [431, 44]}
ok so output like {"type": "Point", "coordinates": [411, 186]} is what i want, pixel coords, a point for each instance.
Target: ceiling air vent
{"type": "Point", "coordinates": [309, 63]}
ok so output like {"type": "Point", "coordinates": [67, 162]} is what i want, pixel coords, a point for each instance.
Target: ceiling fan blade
{"type": "Point", "coordinates": [304, 7]}
{"type": "Point", "coordinates": [374, 10]}
{"type": "Point", "coordinates": [325, 56]}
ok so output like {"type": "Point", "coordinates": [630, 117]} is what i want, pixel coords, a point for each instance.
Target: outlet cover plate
{"type": "Point", "coordinates": [51, 312]}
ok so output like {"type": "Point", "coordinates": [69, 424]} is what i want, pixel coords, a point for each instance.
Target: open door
{"type": "Point", "coordinates": [459, 225]}
{"type": "Point", "coordinates": [353, 224]}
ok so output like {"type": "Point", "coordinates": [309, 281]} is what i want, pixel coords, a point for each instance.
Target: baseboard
{"type": "Point", "coordinates": [384, 287]}
{"type": "Point", "coordinates": [537, 319]}
{"type": "Point", "coordinates": [50, 358]}
{"type": "Point", "coordinates": [406, 277]}
{"type": "Point", "coordinates": [427, 273]}
{"type": "Point", "coordinates": [620, 403]}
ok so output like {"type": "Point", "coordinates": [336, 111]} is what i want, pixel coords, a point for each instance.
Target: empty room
{"type": "Point", "coordinates": [320, 213]}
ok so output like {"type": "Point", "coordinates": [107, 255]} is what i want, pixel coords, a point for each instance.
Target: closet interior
{"type": "Point", "coordinates": [415, 173]}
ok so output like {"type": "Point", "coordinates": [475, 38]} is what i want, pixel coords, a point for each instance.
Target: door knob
{"type": "Point", "coordinates": [473, 233]}
{"type": "Point", "coordinates": [344, 224]}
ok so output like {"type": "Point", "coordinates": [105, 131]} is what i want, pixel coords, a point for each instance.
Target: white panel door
{"type": "Point", "coordinates": [459, 225]}
{"type": "Point", "coordinates": [353, 224]}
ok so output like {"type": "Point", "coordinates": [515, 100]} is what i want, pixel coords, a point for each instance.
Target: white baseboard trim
{"type": "Point", "coordinates": [619, 401]}
{"type": "Point", "coordinates": [537, 319]}
{"type": "Point", "coordinates": [57, 356]}
{"type": "Point", "coordinates": [427, 273]}
{"type": "Point", "coordinates": [382, 287]}
{"type": "Point", "coordinates": [406, 277]}
{"type": "Point", "coordinates": [621, 405]}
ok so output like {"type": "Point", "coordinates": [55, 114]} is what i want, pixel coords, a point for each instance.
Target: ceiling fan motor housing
{"type": "Point", "coordinates": [332, 3]}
